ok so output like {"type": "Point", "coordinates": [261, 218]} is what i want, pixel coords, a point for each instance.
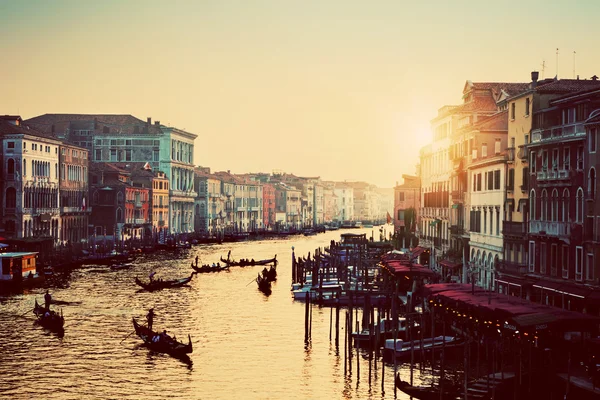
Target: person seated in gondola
{"type": "Point", "coordinates": [252, 261]}
{"type": "Point", "coordinates": [265, 271]}
{"type": "Point", "coordinates": [218, 265]}
{"type": "Point", "coordinates": [164, 337]}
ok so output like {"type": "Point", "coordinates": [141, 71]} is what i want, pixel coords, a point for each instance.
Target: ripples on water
{"type": "Point", "coordinates": [246, 345]}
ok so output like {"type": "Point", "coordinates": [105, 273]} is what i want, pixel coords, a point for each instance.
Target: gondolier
{"type": "Point", "coordinates": [150, 318]}
{"type": "Point", "coordinates": [47, 300]}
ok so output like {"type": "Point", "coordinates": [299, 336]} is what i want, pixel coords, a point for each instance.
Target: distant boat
{"type": "Point", "coordinates": [50, 320]}
{"type": "Point", "coordinates": [160, 284]}
{"type": "Point", "coordinates": [154, 341]}
{"type": "Point", "coordinates": [249, 263]}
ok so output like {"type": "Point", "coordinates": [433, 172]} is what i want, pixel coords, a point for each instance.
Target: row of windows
{"type": "Point", "coordinates": [491, 182]}
{"type": "Point", "coordinates": [559, 256]}
{"type": "Point", "coordinates": [556, 161]}
{"type": "Point", "coordinates": [480, 217]}
{"type": "Point", "coordinates": [527, 108]}
{"type": "Point", "coordinates": [550, 208]}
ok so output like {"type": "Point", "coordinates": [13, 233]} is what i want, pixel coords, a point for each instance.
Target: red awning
{"type": "Point", "coordinates": [407, 268]}
{"type": "Point", "coordinates": [451, 264]}
{"type": "Point", "coordinates": [416, 252]}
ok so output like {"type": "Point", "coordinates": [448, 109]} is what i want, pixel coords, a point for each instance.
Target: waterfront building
{"type": "Point", "coordinates": [125, 138]}
{"type": "Point", "coordinates": [344, 195]}
{"type": "Point", "coordinates": [228, 193]}
{"type": "Point", "coordinates": [592, 226]}
{"type": "Point", "coordinates": [210, 204]}
{"type": "Point", "coordinates": [254, 205]}
{"type": "Point", "coordinates": [319, 204]}
{"type": "Point", "coordinates": [486, 201]}
{"type": "Point", "coordinates": [522, 107]}
{"type": "Point", "coordinates": [330, 210]}
{"type": "Point", "coordinates": [288, 206]}
{"type": "Point", "coordinates": [406, 196]}
{"type": "Point", "coordinates": [74, 196]}
{"type": "Point", "coordinates": [157, 219]}
{"type": "Point", "coordinates": [383, 203]}
{"type": "Point", "coordinates": [30, 182]}
{"type": "Point", "coordinates": [364, 200]}
{"type": "Point", "coordinates": [562, 197]}
{"type": "Point", "coordinates": [268, 205]}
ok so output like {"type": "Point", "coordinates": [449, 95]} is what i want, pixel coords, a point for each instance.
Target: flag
{"type": "Point", "coordinates": [389, 218]}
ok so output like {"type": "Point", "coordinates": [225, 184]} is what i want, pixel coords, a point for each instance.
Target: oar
{"type": "Point", "coordinates": [22, 315]}
{"type": "Point", "coordinates": [253, 280]}
{"type": "Point", "coordinates": [126, 337]}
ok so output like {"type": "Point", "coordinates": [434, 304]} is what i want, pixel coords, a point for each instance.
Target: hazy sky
{"type": "Point", "coordinates": [341, 89]}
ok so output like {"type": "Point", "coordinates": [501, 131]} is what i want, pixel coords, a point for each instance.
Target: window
{"type": "Point", "coordinates": [24, 167]}
{"type": "Point", "coordinates": [565, 205]}
{"type": "Point", "coordinates": [10, 166]}
{"type": "Point", "coordinates": [497, 179]}
{"type": "Point", "coordinates": [10, 145]}
{"type": "Point", "coordinates": [113, 155]}
{"type": "Point", "coordinates": [531, 261]}
{"type": "Point", "coordinates": [113, 142]}
{"type": "Point", "coordinates": [400, 215]}
{"type": "Point", "coordinates": [511, 179]}
{"type": "Point", "coordinates": [553, 260]}
{"type": "Point", "coordinates": [532, 204]}
{"type": "Point", "coordinates": [478, 182]}
{"type": "Point", "coordinates": [580, 157]}
{"type": "Point", "coordinates": [542, 258]}
{"type": "Point", "coordinates": [497, 222]}
{"type": "Point", "coordinates": [532, 162]}
{"type": "Point", "coordinates": [579, 263]}
{"type": "Point", "coordinates": [497, 145]}
{"type": "Point", "coordinates": [592, 140]}
{"type": "Point", "coordinates": [544, 206]}
{"type": "Point", "coordinates": [400, 196]}
{"type": "Point", "coordinates": [128, 155]}
{"type": "Point", "coordinates": [485, 220]}
{"type": "Point", "coordinates": [155, 155]}
{"type": "Point", "coordinates": [544, 160]}
{"type": "Point", "coordinates": [98, 154]}
{"type": "Point", "coordinates": [512, 110]}
{"type": "Point", "coordinates": [555, 160]}
{"type": "Point", "coordinates": [554, 206]}
{"type": "Point", "coordinates": [589, 275]}
{"type": "Point", "coordinates": [579, 206]}
{"type": "Point", "coordinates": [527, 101]}
{"type": "Point", "coordinates": [592, 183]}
{"type": "Point", "coordinates": [484, 150]}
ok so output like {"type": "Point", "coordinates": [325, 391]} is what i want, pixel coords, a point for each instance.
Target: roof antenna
{"type": "Point", "coordinates": [543, 68]}
{"type": "Point", "coordinates": [574, 64]}
{"type": "Point", "coordinates": [557, 63]}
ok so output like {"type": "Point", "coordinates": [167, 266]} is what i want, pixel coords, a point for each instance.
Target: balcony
{"type": "Point", "coordinates": [139, 221]}
{"type": "Point", "coordinates": [138, 204]}
{"type": "Point", "coordinates": [513, 228]}
{"type": "Point", "coordinates": [510, 157]}
{"type": "Point", "coordinates": [557, 133]}
{"type": "Point", "coordinates": [522, 153]}
{"type": "Point", "coordinates": [550, 228]}
{"type": "Point", "coordinates": [457, 196]}
{"type": "Point", "coordinates": [456, 230]}
{"type": "Point", "coordinates": [511, 267]}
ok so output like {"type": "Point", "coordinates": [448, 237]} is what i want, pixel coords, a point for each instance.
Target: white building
{"type": "Point", "coordinates": [345, 202]}
{"type": "Point", "coordinates": [487, 183]}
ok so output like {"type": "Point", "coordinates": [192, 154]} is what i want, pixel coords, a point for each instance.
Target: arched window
{"type": "Point", "coordinates": [565, 205]}
{"type": "Point", "coordinates": [532, 214]}
{"type": "Point", "coordinates": [119, 215]}
{"type": "Point", "coordinates": [579, 206]}
{"type": "Point", "coordinates": [10, 166]}
{"type": "Point", "coordinates": [554, 206]}
{"type": "Point", "coordinates": [592, 183]}
{"type": "Point", "coordinates": [544, 206]}
{"type": "Point", "coordinates": [11, 197]}
{"type": "Point", "coordinates": [24, 167]}
{"type": "Point", "coordinates": [120, 198]}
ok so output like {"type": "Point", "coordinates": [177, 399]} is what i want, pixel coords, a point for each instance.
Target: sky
{"type": "Point", "coordinates": [340, 89]}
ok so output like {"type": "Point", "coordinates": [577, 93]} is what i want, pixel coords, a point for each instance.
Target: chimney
{"type": "Point", "coordinates": [594, 78]}
{"type": "Point", "coordinates": [157, 123]}
{"type": "Point", "coordinates": [149, 121]}
{"type": "Point", "coordinates": [534, 78]}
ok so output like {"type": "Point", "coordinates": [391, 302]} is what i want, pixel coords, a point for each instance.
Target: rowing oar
{"type": "Point", "coordinates": [27, 312]}
{"type": "Point", "coordinates": [253, 280]}
{"type": "Point", "coordinates": [126, 337]}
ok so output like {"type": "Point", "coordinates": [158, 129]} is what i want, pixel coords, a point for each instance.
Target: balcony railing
{"type": "Point", "coordinates": [511, 154]}
{"type": "Point", "coordinates": [522, 153]}
{"type": "Point", "coordinates": [511, 267]}
{"type": "Point", "coordinates": [557, 133]}
{"type": "Point", "coordinates": [139, 221]}
{"type": "Point", "coordinates": [513, 228]}
{"type": "Point", "coordinates": [550, 228]}
{"type": "Point", "coordinates": [138, 204]}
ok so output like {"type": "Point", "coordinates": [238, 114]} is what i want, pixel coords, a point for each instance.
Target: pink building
{"type": "Point", "coordinates": [268, 205]}
{"type": "Point", "coordinates": [407, 195]}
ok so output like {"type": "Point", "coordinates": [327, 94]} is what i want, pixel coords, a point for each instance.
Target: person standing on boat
{"type": "Point", "coordinates": [47, 300]}
{"type": "Point", "coordinates": [150, 318]}
{"type": "Point", "coordinates": [196, 261]}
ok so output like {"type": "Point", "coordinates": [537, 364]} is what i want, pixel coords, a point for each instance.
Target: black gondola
{"type": "Point", "coordinates": [264, 285]}
{"type": "Point", "coordinates": [427, 392]}
{"type": "Point", "coordinates": [154, 341]}
{"type": "Point", "coordinates": [249, 263]}
{"type": "Point", "coordinates": [160, 284]}
{"type": "Point", "coordinates": [50, 320]}
{"type": "Point", "coordinates": [270, 274]}
{"type": "Point", "coordinates": [209, 268]}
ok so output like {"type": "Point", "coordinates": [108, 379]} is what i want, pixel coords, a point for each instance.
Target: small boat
{"type": "Point", "coordinates": [427, 392]}
{"type": "Point", "coordinates": [50, 320]}
{"type": "Point", "coordinates": [249, 263]}
{"type": "Point", "coordinates": [154, 341]}
{"type": "Point", "coordinates": [116, 267]}
{"type": "Point", "coordinates": [160, 284]}
{"type": "Point", "coordinates": [309, 232]}
{"type": "Point", "coordinates": [210, 268]}
{"type": "Point", "coordinates": [386, 330]}
{"type": "Point", "coordinates": [264, 285]}
{"type": "Point", "coordinates": [403, 349]}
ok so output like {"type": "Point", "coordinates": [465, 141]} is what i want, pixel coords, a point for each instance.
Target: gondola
{"type": "Point", "coordinates": [427, 392]}
{"type": "Point", "coordinates": [271, 273]}
{"type": "Point", "coordinates": [50, 320]}
{"type": "Point", "coordinates": [160, 284]}
{"type": "Point", "coordinates": [264, 285]}
{"type": "Point", "coordinates": [249, 263]}
{"type": "Point", "coordinates": [154, 342]}
{"type": "Point", "coordinates": [210, 268]}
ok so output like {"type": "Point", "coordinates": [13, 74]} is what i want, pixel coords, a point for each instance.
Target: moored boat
{"type": "Point", "coordinates": [158, 284]}
{"type": "Point", "coordinates": [427, 392]}
{"type": "Point", "coordinates": [403, 349]}
{"type": "Point", "coordinates": [264, 284]}
{"type": "Point", "coordinates": [210, 268]}
{"type": "Point", "coordinates": [160, 343]}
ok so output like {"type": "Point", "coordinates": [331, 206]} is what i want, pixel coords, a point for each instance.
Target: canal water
{"type": "Point", "coordinates": [246, 345]}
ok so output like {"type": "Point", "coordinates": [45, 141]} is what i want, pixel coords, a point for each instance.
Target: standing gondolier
{"type": "Point", "coordinates": [47, 300]}
{"type": "Point", "coordinates": [150, 318]}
